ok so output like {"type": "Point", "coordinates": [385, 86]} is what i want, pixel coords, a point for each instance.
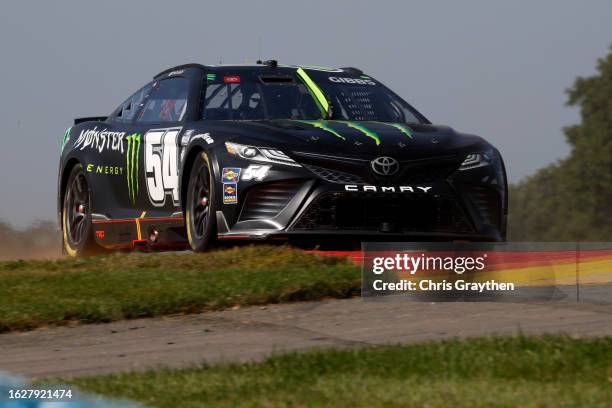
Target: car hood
{"type": "Point", "coordinates": [357, 138]}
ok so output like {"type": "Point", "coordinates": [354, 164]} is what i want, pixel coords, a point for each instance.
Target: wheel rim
{"type": "Point", "coordinates": [77, 206]}
{"type": "Point", "coordinates": [200, 203]}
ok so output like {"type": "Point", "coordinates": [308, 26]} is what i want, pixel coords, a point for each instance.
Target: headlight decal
{"type": "Point", "coordinates": [477, 159]}
{"type": "Point", "coordinates": [259, 154]}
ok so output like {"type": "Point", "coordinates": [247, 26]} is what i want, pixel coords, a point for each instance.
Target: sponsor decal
{"type": "Point", "coordinates": [161, 157]}
{"type": "Point", "coordinates": [355, 81]}
{"type": "Point", "coordinates": [206, 137]}
{"type": "Point", "coordinates": [231, 79]}
{"type": "Point", "coordinates": [100, 140]}
{"type": "Point", "coordinates": [386, 189]}
{"type": "Point", "coordinates": [178, 72]}
{"type": "Point", "coordinates": [211, 77]}
{"type": "Point", "coordinates": [230, 193]}
{"type": "Point", "coordinates": [186, 136]}
{"type": "Point", "coordinates": [66, 139]}
{"type": "Point", "coordinates": [255, 172]}
{"type": "Point", "coordinates": [131, 158]}
{"type": "Point", "coordinates": [230, 174]}
{"type": "Point", "coordinates": [104, 169]}
{"type": "Point", "coordinates": [100, 234]}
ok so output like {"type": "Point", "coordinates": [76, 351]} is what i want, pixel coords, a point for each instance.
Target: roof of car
{"type": "Point", "coordinates": [251, 66]}
{"type": "Point", "coordinates": [179, 68]}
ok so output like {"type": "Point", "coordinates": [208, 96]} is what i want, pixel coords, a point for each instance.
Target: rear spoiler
{"type": "Point", "coordinates": [90, 119]}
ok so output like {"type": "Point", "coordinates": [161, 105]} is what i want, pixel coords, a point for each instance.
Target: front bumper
{"type": "Point", "coordinates": [431, 201]}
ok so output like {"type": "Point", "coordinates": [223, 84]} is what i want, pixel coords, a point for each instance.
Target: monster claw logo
{"type": "Point", "coordinates": [131, 156]}
{"type": "Point", "coordinates": [65, 139]}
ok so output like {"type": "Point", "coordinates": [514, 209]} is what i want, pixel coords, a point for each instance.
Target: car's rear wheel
{"type": "Point", "coordinates": [200, 207]}
{"type": "Point", "coordinates": [78, 239]}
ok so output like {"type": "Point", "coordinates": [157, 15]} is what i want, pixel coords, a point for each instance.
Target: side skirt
{"type": "Point", "coordinates": [150, 232]}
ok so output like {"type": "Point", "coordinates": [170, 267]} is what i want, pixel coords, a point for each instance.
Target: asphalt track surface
{"type": "Point", "coordinates": [251, 334]}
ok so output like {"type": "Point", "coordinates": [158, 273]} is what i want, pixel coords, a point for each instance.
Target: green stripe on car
{"type": "Point", "coordinates": [316, 92]}
{"type": "Point", "coordinates": [401, 127]}
{"type": "Point", "coordinates": [372, 135]}
{"type": "Point", "coordinates": [323, 125]}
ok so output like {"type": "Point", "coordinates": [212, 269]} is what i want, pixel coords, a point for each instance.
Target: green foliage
{"type": "Point", "coordinates": [572, 199]}
{"type": "Point", "coordinates": [119, 286]}
{"type": "Point", "coordinates": [553, 371]}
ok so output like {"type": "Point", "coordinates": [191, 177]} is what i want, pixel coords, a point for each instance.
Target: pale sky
{"type": "Point", "coordinates": [498, 69]}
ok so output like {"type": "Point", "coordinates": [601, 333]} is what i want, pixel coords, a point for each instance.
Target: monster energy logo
{"type": "Point", "coordinates": [131, 157]}
{"type": "Point", "coordinates": [326, 125]}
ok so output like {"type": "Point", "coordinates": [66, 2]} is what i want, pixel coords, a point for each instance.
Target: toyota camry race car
{"type": "Point", "coordinates": [265, 151]}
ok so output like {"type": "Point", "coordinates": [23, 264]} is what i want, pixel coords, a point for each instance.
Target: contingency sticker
{"type": "Point", "coordinates": [231, 79]}
{"type": "Point", "coordinates": [230, 193]}
{"type": "Point", "coordinates": [230, 174]}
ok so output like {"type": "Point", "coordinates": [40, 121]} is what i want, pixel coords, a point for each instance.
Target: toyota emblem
{"type": "Point", "coordinates": [385, 166]}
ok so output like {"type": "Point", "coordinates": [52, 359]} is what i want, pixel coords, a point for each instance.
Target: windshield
{"type": "Point", "coordinates": [365, 99]}
{"type": "Point", "coordinates": [253, 96]}
{"type": "Point", "coordinates": [258, 96]}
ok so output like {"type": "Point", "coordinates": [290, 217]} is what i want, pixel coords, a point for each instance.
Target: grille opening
{"type": "Point", "coordinates": [487, 203]}
{"type": "Point", "coordinates": [361, 173]}
{"type": "Point", "coordinates": [384, 212]}
{"type": "Point", "coordinates": [427, 174]}
{"type": "Point", "coordinates": [334, 176]}
{"type": "Point", "coordinates": [265, 201]}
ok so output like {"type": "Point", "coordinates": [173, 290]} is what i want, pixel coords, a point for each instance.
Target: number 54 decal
{"type": "Point", "coordinates": [161, 165]}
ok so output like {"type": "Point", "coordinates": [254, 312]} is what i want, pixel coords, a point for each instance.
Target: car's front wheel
{"type": "Point", "coordinates": [200, 206]}
{"type": "Point", "coordinates": [78, 239]}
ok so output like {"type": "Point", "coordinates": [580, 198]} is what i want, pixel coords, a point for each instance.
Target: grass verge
{"type": "Point", "coordinates": [553, 371]}
{"type": "Point", "coordinates": [104, 289]}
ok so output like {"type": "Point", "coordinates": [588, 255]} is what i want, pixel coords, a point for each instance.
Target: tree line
{"type": "Point", "coordinates": [571, 200]}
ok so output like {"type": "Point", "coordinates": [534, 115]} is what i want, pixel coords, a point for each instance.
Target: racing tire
{"type": "Point", "coordinates": [77, 232]}
{"type": "Point", "coordinates": [200, 209]}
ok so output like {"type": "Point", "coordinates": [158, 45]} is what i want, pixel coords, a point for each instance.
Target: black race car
{"type": "Point", "coordinates": [266, 151]}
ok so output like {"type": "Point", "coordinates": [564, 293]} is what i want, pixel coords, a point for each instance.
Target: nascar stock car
{"type": "Point", "coordinates": [265, 151]}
